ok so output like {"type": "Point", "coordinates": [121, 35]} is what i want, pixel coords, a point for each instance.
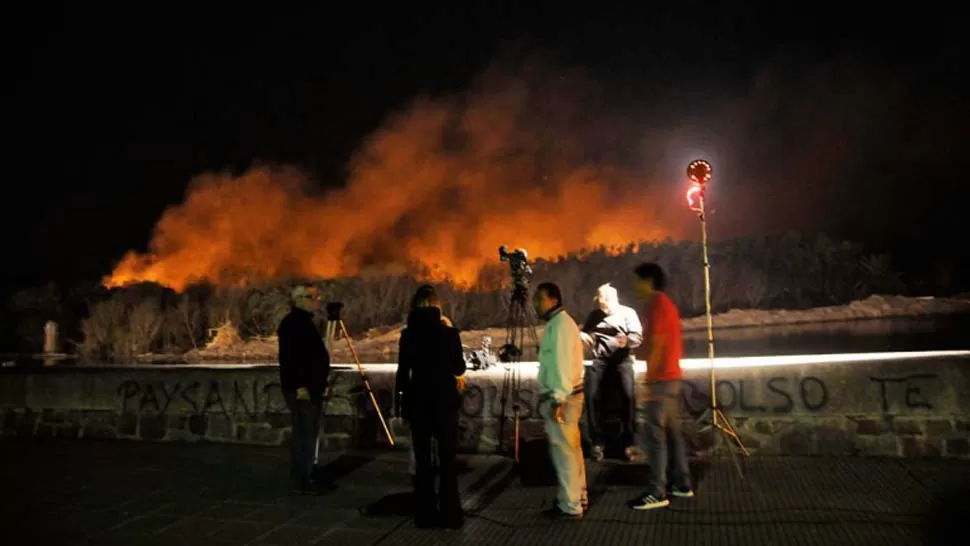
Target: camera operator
{"type": "Point", "coordinates": [611, 332]}
{"type": "Point", "coordinates": [430, 361]}
{"type": "Point", "coordinates": [304, 368]}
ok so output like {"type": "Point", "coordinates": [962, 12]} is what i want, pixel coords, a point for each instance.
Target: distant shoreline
{"type": "Point", "coordinates": [383, 342]}
{"type": "Point", "coordinates": [873, 307]}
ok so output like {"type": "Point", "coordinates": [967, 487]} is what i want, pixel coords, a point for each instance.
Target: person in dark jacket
{"type": "Point", "coordinates": [304, 370]}
{"type": "Point", "coordinates": [430, 358]}
{"type": "Point", "coordinates": [611, 332]}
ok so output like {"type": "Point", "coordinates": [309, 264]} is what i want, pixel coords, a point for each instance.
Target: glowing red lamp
{"type": "Point", "coordinates": [699, 172]}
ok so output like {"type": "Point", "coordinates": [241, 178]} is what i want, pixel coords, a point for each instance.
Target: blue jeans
{"type": "Point", "coordinates": [664, 439]}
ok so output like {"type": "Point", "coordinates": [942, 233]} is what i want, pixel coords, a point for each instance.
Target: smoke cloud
{"type": "Point", "coordinates": [522, 159]}
{"type": "Point", "coordinates": [538, 156]}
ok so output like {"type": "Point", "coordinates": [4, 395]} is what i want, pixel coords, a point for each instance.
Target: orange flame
{"type": "Point", "coordinates": [441, 186]}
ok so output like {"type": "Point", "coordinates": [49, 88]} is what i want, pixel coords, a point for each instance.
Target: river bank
{"type": "Point", "coordinates": [380, 344]}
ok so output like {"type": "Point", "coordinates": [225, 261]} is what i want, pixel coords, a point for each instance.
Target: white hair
{"type": "Point", "coordinates": [608, 292]}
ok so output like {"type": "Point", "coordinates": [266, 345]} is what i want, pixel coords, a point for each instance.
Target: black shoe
{"type": "Point", "coordinates": [556, 513]}
{"type": "Point", "coordinates": [454, 523]}
{"type": "Point", "coordinates": [427, 521]}
{"type": "Point", "coordinates": [682, 492]}
{"type": "Point", "coordinates": [649, 502]}
{"type": "Point", "coordinates": [452, 519]}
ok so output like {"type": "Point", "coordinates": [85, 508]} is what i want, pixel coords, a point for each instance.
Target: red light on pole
{"type": "Point", "coordinates": [692, 194]}
{"type": "Point", "coordinates": [699, 172]}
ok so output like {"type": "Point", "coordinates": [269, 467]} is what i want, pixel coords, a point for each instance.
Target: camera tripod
{"type": "Point", "coordinates": [334, 325]}
{"type": "Point", "coordinates": [520, 320]}
{"type": "Point", "coordinates": [720, 425]}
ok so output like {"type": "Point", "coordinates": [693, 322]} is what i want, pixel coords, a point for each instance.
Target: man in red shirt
{"type": "Point", "coordinates": [664, 387]}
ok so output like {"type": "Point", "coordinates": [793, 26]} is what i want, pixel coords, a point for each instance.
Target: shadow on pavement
{"type": "Point", "coordinates": [395, 504]}
{"type": "Point", "coordinates": [343, 465]}
{"type": "Point", "coordinates": [947, 520]}
{"type": "Point", "coordinates": [638, 474]}
{"type": "Point", "coordinates": [402, 504]}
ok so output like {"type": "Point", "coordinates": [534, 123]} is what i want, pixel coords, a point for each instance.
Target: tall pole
{"type": "Point", "coordinates": [707, 307]}
{"type": "Point", "coordinates": [700, 172]}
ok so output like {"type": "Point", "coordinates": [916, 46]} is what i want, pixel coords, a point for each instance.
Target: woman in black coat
{"type": "Point", "coordinates": [430, 359]}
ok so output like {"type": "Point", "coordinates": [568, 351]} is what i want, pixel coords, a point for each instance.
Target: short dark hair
{"type": "Point", "coordinates": [552, 290]}
{"type": "Point", "coordinates": [650, 271]}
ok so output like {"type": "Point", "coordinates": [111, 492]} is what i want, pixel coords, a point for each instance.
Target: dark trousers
{"type": "Point", "coordinates": [305, 418]}
{"type": "Point", "coordinates": [595, 400]}
{"type": "Point", "coordinates": [444, 504]}
{"type": "Point", "coordinates": [664, 437]}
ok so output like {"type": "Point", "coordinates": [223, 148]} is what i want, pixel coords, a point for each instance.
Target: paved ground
{"type": "Point", "coordinates": [140, 493]}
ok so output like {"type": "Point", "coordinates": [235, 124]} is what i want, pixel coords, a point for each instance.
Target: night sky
{"type": "Point", "coordinates": [113, 112]}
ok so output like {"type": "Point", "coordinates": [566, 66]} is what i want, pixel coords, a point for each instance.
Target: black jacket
{"type": "Point", "coordinates": [429, 359]}
{"type": "Point", "coordinates": [304, 360]}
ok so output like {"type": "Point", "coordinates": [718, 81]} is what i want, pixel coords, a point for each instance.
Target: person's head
{"type": "Point", "coordinates": [425, 296]}
{"type": "Point", "coordinates": [650, 279]}
{"type": "Point", "coordinates": [306, 297]}
{"type": "Point", "coordinates": [546, 298]}
{"type": "Point", "coordinates": [606, 298]}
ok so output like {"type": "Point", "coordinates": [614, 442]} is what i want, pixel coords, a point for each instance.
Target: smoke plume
{"type": "Point", "coordinates": [537, 156]}
{"type": "Point", "coordinates": [525, 159]}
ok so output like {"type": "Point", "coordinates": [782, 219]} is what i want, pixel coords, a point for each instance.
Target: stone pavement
{"type": "Point", "coordinates": [65, 492]}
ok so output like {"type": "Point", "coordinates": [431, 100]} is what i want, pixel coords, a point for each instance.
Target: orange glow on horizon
{"type": "Point", "coordinates": [418, 200]}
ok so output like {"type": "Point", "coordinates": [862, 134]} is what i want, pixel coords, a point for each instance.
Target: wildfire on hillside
{"type": "Point", "coordinates": [440, 186]}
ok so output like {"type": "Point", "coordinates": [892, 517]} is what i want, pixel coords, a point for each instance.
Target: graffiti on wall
{"type": "Point", "coordinates": [484, 401]}
{"type": "Point", "coordinates": [914, 391]}
{"type": "Point", "coordinates": [249, 397]}
{"type": "Point", "coordinates": [489, 399]}
{"type": "Point", "coordinates": [777, 395]}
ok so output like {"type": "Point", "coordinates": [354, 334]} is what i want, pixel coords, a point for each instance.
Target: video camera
{"type": "Point", "coordinates": [518, 263]}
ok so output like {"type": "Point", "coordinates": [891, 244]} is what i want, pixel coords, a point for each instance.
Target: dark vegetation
{"type": "Point", "coordinates": [785, 271]}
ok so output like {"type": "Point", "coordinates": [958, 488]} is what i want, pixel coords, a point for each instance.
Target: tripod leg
{"type": "Point", "coordinates": [722, 434]}
{"type": "Point", "coordinates": [363, 377]}
{"type": "Point", "coordinates": [504, 403]}
{"type": "Point", "coordinates": [705, 419]}
{"type": "Point", "coordinates": [515, 386]}
{"type": "Point", "coordinates": [725, 424]}
{"type": "Point", "coordinates": [516, 436]}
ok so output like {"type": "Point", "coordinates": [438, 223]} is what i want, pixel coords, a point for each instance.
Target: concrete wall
{"type": "Point", "coordinates": [906, 408]}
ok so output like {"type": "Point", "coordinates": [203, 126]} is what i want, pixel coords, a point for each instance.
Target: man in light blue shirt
{"type": "Point", "coordinates": [560, 381]}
